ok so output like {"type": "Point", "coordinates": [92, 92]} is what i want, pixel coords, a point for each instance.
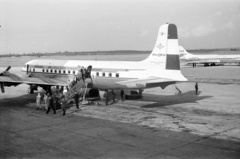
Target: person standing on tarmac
{"type": "Point", "coordinates": [65, 90]}
{"type": "Point", "coordinates": [196, 88]}
{"type": "Point", "coordinates": [79, 75]}
{"type": "Point", "coordinates": [55, 101]}
{"type": "Point", "coordinates": [64, 105]}
{"type": "Point", "coordinates": [46, 101]}
{"type": "Point", "coordinates": [122, 94]}
{"type": "Point", "coordinates": [113, 93]}
{"type": "Point", "coordinates": [105, 96]}
{"type": "Point", "coordinates": [76, 98]}
{"type": "Point", "coordinates": [83, 73]}
{"type": "Point", "coordinates": [51, 104]}
{"type": "Point", "coordinates": [38, 101]}
{"type": "Point", "coordinates": [88, 72]}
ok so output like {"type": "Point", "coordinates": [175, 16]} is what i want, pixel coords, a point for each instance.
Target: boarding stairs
{"type": "Point", "coordinates": [80, 87]}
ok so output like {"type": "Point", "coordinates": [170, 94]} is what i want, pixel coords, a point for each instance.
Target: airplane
{"type": "Point", "coordinates": [207, 60]}
{"type": "Point", "coordinates": [160, 69]}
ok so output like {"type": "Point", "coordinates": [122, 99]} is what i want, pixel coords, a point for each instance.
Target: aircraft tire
{"type": "Point", "coordinates": [30, 90]}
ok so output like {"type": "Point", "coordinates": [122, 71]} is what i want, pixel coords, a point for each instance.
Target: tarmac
{"type": "Point", "coordinates": [161, 125]}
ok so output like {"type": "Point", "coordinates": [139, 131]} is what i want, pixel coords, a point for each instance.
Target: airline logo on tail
{"type": "Point", "coordinates": [166, 52]}
{"type": "Point", "coordinates": [159, 46]}
{"type": "Point", "coordinates": [162, 33]}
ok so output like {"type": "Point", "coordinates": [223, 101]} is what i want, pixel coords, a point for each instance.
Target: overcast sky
{"type": "Point", "coordinates": [89, 25]}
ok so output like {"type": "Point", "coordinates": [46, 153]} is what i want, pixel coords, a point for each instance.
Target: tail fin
{"type": "Point", "coordinates": [183, 52]}
{"type": "Point", "coordinates": [166, 51]}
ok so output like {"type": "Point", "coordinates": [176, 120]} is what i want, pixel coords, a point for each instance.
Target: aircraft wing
{"type": "Point", "coordinates": [143, 82]}
{"type": "Point", "coordinates": [14, 79]}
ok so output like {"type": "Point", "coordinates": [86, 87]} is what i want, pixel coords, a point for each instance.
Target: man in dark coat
{"type": "Point", "coordinates": [105, 96]}
{"type": "Point", "coordinates": [196, 88]}
{"type": "Point", "coordinates": [64, 104]}
{"type": "Point", "coordinates": [76, 98]}
{"type": "Point", "coordinates": [122, 94]}
{"type": "Point", "coordinates": [51, 104]}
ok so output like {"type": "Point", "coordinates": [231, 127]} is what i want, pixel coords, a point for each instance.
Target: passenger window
{"type": "Point", "coordinates": [59, 71]}
{"type": "Point", "coordinates": [68, 71]}
{"type": "Point", "coordinates": [43, 70]}
{"type": "Point", "coordinates": [103, 74]}
{"type": "Point", "coordinates": [55, 71]}
{"type": "Point", "coordinates": [51, 70]}
{"type": "Point", "coordinates": [97, 74]}
{"type": "Point", "coordinates": [74, 72]}
{"type": "Point", "coordinates": [110, 74]}
{"type": "Point", "coordinates": [47, 70]}
{"type": "Point", "coordinates": [34, 70]}
{"type": "Point", "coordinates": [64, 71]}
{"type": "Point", "coordinates": [117, 74]}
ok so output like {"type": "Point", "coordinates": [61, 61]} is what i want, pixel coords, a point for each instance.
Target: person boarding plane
{"type": "Point", "coordinates": [160, 69]}
{"type": "Point", "coordinates": [207, 60]}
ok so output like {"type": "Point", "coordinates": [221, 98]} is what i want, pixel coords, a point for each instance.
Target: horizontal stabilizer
{"type": "Point", "coordinates": [146, 82]}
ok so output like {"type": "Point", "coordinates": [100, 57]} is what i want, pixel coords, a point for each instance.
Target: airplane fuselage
{"type": "Point", "coordinates": [105, 74]}
{"type": "Point", "coordinates": [211, 58]}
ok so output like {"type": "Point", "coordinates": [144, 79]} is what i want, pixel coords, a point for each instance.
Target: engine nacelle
{"type": "Point", "coordinates": [92, 92]}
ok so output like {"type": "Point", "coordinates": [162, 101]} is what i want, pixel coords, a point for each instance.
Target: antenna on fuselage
{"type": "Point", "coordinates": [27, 68]}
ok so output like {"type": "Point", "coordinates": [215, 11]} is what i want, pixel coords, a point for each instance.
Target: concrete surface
{"type": "Point", "coordinates": [29, 133]}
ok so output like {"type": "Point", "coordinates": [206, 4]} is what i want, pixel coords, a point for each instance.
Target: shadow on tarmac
{"type": "Point", "coordinates": [162, 101]}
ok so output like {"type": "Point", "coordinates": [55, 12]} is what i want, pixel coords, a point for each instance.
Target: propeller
{"type": "Point", "coordinates": [2, 74]}
{"type": "Point", "coordinates": [2, 87]}
{"type": "Point", "coordinates": [8, 68]}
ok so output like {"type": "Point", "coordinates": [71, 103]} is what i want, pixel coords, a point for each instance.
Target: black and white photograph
{"type": "Point", "coordinates": [119, 79]}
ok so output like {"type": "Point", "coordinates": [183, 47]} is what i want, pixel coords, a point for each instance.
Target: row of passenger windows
{"type": "Point", "coordinates": [58, 71]}
{"type": "Point", "coordinates": [109, 74]}
{"type": "Point", "coordinates": [73, 72]}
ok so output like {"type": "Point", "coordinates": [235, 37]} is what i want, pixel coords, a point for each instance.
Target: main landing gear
{"type": "Point", "coordinates": [32, 88]}
{"type": "Point", "coordinates": [135, 94]}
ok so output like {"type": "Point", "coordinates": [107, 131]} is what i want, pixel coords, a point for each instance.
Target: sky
{"type": "Point", "coordinates": [90, 25]}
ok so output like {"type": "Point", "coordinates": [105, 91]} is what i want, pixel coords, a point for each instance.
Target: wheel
{"type": "Point", "coordinates": [30, 90]}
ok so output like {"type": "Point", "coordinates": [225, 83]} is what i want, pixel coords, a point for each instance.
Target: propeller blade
{"type": "Point", "coordinates": [2, 87]}
{"type": "Point", "coordinates": [9, 67]}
